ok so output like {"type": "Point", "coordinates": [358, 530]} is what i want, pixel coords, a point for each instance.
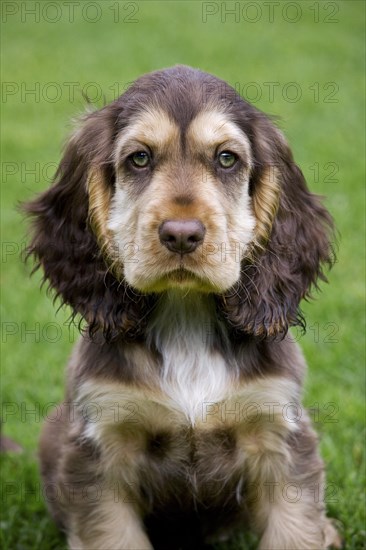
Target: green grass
{"type": "Point", "coordinates": [311, 54]}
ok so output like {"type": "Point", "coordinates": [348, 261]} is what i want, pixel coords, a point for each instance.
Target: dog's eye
{"type": "Point", "coordinates": [227, 159]}
{"type": "Point", "coordinates": [140, 159]}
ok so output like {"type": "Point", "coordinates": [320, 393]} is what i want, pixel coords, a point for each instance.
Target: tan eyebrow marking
{"type": "Point", "coordinates": [153, 128]}
{"type": "Point", "coordinates": [211, 128]}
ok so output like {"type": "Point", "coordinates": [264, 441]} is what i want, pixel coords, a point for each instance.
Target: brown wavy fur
{"type": "Point", "coordinates": [293, 228]}
{"type": "Point", "coordinates": [185, 478]}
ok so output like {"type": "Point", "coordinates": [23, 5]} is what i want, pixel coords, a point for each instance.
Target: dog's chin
{"type": "Point", "coordinates": [181, 279]}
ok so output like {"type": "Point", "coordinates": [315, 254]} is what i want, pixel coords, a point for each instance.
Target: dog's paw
{"type": "Point", "coordinates": [332, 537]}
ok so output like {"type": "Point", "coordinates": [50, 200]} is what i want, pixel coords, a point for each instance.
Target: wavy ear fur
{"type": "Point", "coordinates": [63, 242]}
{"type": "Point", "coordinates": [293, 241]}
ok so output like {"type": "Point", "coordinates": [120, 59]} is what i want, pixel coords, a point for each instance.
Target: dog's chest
{"type": "Point", "coordinates": [184, 396]}
{"type": "Point", "coordinates": [193, 425]}
{"type": "Point", "coordinates": [192, 371]}
{"type": "Point", "coordinates": [188, 407]}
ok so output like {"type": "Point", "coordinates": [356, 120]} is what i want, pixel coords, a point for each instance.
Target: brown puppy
{"type": "Point", "coordinates": [182, 231]}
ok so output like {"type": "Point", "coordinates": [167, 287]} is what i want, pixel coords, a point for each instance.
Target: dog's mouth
{"type": "Point", "coordinates": [181, 278]}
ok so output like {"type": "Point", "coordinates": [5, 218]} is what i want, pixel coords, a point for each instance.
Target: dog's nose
{"type": "Point", "coordinates": [182, 236]}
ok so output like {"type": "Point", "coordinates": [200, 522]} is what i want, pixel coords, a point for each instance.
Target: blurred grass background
{"type": "Point", "coordinates": [302, 61]}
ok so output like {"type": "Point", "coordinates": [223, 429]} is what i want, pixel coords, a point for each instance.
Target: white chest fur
{"type": "Point", "coordinates": [193, 373]}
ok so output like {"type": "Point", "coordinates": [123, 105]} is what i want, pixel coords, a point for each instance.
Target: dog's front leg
{"type": "Point", "coordinates": [108, 524]}
{"type": "Point", "coordinates": [286, 492]}
{"type": "Point", "coordinates": [291, 524]}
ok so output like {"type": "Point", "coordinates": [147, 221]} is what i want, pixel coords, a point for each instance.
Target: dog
{"type": "Point", "coordinates": [180, 229]}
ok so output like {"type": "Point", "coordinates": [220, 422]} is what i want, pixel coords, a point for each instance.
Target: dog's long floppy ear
{"type": "Point", "coordinates": [68, 230]}
{"type": "Point", "coordinates": [293, 241]}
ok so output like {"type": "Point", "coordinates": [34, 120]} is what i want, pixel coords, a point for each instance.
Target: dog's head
{"type": "Point", "coordinates": [180, 183]}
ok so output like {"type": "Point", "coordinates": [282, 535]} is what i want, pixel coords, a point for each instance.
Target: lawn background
{"type": "Point", "coordinates": [316, 66]}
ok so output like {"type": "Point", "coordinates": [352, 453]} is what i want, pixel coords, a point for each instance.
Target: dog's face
{"type": "Point", "coordinates": [181, 215]}
{"type": "Point", "coordinates": [180, 183]}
